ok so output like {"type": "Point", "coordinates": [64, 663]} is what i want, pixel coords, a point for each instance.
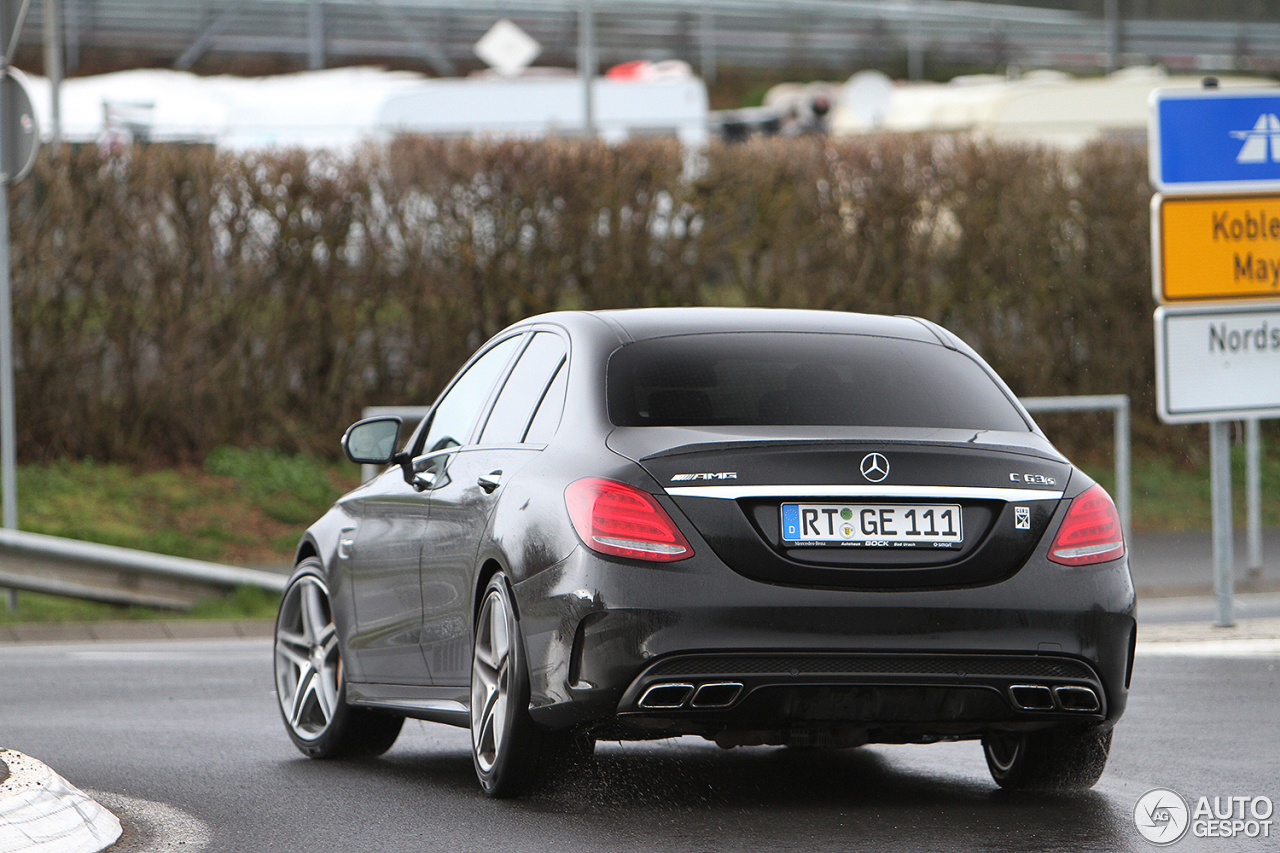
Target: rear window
{"type": "Point", "coordinates": [793, 379]}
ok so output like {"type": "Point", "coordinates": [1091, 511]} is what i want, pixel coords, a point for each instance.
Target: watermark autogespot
{"type": "Point", "coordinates": [1164, 817]}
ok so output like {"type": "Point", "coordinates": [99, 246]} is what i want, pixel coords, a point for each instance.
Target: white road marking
{"type": "Point", "coordinates": [152, 827]}
{"type": "Point", "coordinates": [1265, 647]}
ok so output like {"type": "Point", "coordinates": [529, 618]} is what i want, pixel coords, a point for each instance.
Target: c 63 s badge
{"type": "Point", "coordinates": [721, 475]}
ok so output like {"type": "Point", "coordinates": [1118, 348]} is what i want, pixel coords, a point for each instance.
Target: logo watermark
{"type": "Point", "coordinates": [1164, 817]}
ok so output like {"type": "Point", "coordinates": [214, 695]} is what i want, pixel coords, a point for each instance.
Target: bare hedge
{"type": "Point", "coordinates": [173, 299]}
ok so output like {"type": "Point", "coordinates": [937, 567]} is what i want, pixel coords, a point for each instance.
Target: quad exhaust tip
{"type": "Point", "coordinates": [719, 694]}
{"type": "Point", "coordinates": [1067, 697]}
{"type": "Point", "coordinates": [667, 696]}
{"type": "Point", "coordinates": [1077, 698]}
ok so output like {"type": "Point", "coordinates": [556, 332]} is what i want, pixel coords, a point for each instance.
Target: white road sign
{"type": "Point", "coordinates": [507, 48]}
{"type": "Point", "coordinates": [1216, 363]}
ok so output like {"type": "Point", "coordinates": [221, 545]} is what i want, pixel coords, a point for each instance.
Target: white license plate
{"type": "Point", "coordinates": [873, 525]}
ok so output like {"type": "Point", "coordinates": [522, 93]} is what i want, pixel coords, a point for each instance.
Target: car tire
{"type": "Point", "coordinates": [507, 747]}
{"type": "Point", "coordinates": [310, 684]}
{"type": "Point", "coordinates": [1047, 760]}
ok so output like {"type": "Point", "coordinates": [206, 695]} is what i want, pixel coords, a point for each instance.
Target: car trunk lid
{"type": "Point", "coordinates": [852, 507]}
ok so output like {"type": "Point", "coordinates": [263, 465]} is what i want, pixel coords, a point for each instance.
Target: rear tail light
{"type": "Point", "coordinates": [1091, 531]}
{"type": "Point", "coordinates": [617, 519]}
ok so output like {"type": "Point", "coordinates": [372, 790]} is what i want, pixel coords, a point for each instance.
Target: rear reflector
{"type": "Point", "coordinates": [621, 520]}
{"type": "Point", "coordinates": [1091, 531]}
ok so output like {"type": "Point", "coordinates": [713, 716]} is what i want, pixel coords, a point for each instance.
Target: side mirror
{"type": "Point", "coordinates": [372, 441]}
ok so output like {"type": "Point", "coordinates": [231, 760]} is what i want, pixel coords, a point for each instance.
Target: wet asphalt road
{"type": "Point", "coordinates": [193, 726]}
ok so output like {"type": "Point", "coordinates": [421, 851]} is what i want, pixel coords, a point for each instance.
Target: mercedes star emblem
{"type": "Point", "coordinates": [874, 467]}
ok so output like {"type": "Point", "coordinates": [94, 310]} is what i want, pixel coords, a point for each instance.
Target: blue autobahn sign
{"type": "Point", "coordinates": [1211, 140]}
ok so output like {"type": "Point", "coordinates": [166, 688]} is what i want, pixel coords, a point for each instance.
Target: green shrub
{"type": "Point", "coordinates": [174, 300]}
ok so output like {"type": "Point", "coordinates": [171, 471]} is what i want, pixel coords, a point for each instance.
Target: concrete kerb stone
{"type": "Point", "coordinates": [40, 812]}
{"type": "Point", "coordinates": [1199, 632]}
{"type": "Point", "coordinates": [125, 631]}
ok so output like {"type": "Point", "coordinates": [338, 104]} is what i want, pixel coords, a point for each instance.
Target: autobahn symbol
{"type": "Point", "coordinates": [1262, 143]}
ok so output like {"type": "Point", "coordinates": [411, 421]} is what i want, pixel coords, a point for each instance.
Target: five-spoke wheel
{"type": "Point", "coordinates": [506, 745]}
{"type": "Point", "coordinates": [309, 678]}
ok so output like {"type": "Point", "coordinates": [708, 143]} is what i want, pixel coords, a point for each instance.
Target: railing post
{"type": "Point", "coordinates": [1124, 484]}
{"type": "Point", "coordinates": [1223, 559]}
{"type": "Point", "coordinates": [1119, 405]}
{"type": "Point", "coordinates": [1253, 493]}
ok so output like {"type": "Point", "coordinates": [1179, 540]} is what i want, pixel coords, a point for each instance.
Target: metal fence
{"type": "Point", "coordinates": [839, 35]}
{"type": "Point", "coordinates": [86, 570]}
{"type": "Point", "coordinates": [1118, 404]}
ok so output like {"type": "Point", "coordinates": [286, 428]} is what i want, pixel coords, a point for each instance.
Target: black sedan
{"type": "Point", "coordinates": [761, 527]}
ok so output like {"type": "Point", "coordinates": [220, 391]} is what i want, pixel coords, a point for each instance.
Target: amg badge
{"type": "Point", "coordinates": [722, 475]}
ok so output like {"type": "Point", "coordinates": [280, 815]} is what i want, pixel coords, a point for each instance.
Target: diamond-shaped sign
{"type": "Point", "coordinates": [507, 49]}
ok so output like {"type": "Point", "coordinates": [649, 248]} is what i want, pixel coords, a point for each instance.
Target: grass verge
{"type": "Point", "coordinates": [243, 507]}
{"type": "Point", "coordinates": [1168, 496]}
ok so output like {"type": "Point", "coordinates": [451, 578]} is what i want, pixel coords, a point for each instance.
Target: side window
{"type": "Point", "coordinates": [456, 414]}
{"type": "Point", "coordinates": [523, 390]}
{"type": "Point", "coordinates": [547, 419]}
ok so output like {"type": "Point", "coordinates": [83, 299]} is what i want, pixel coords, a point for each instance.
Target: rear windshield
{"type": "Point", "coordinates": [793, 379]}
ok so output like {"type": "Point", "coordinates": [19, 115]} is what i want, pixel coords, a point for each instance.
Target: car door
{"type": "Point", "coordinates": [385, 549]}
{"type": "Point", "coordinates": [463, 499]}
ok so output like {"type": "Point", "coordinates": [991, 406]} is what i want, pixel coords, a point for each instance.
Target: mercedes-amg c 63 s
{"type": "Point", "coordinates": [762, 527]}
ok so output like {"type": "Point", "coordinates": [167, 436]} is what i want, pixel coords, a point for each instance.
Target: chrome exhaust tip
{"type": "Point", "coordinates": [1076, 698]}
{"type": "Point", "coordinates": [665, 696]}
{"type": "Point", "coordinates": [716, 694]}
{"type": "Point", "coordinates": [1031, 697]}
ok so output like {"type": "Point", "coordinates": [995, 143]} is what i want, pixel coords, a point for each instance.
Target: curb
{"type": "Point", "coordinates": [124, 631]}
{"type": "Point", "coordinates": [40, 812]}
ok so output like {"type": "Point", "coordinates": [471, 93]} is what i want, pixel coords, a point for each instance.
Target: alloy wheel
{"type": "Point", "coordinates": [308, 665]}
{"type": "Point", "coordinates": [491, 680]}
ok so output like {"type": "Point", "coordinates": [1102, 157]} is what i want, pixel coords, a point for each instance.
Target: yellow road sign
{"type": "Point", "coordinates": [1215, 248]}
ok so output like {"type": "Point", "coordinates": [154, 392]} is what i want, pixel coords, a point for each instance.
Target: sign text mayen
{"type": "Point", "coordinates": [1216, 248]}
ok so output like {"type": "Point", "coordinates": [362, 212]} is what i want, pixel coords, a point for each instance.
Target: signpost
{"type": "Point", "coordinates": [1215, 243]}
{"type": "Point", "coordinates": [18, 141]}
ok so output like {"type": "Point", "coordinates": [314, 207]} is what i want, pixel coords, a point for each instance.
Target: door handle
{"type": "Point", "coordinates": [490, 481]}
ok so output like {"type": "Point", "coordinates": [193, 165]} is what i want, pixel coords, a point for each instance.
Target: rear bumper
{"type": "Point", "coordinates": [901, 665]}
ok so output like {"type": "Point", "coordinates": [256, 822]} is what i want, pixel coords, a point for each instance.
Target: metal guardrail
{"type": "Point", "coordinates": [87, 570]}
{"type": "Point", "coordinates": [1119, 405]}
{"type": "Point", "coordinates": [707, 33]}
